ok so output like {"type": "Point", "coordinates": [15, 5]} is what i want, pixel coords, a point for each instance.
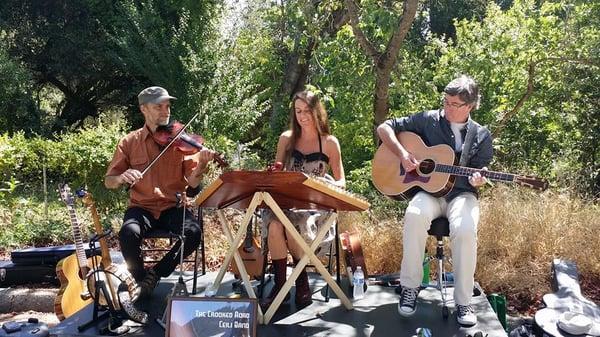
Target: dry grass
{"type": "Point", "coordinates": [381, 240]}
{"type": "Point", "coordinates": [521, 232]}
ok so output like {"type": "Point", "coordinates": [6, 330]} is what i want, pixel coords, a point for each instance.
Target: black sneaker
{"type": "Point", "coordinates": [465, 315]}
{"type": "Point", "coordinates": [408, 301]}
{"type": "Point", "coordinates": [148, 284]}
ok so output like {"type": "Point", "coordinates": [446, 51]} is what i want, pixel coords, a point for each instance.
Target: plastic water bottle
{"type": "Point", "coordinates": [358, 281]}
{"type": "Point", "coordinates": [426, 271]}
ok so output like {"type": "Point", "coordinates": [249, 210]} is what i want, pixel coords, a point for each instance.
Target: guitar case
{"type": "Point", "coordinates": [567, 312]}
{"type": "Point", "coordinates": [29, 328]}
{"type": "Point", "coordinates": [44, 255]}
{"type": "Point", "coordinates": [13, 274]}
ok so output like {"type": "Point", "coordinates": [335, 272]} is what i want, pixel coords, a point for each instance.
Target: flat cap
{"type": "Point", "coordinates": [154, 95]}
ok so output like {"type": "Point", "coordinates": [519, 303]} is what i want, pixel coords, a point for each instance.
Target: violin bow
{"type": "Point", "coordinates": [166, 148]}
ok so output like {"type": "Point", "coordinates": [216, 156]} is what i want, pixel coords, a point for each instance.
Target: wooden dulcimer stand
{"type": "Point", "coordinates": [293, 190]}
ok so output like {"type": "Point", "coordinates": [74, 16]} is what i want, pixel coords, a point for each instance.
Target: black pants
{"type": "Point", "coordinates": [137, 222]}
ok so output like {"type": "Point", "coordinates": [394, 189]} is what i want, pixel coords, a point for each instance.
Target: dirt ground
{"type": "Point", "coordinates": [46, 317]}
{"type": "Point", "coordinates": [20, 303]}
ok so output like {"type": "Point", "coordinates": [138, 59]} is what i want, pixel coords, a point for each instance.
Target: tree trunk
{"type": "Point", "coordinates": [384, 61]}
{"type": "Point", "coordinates": [298, 62]}
{"type": "Point", "coordinates": [381, 104]}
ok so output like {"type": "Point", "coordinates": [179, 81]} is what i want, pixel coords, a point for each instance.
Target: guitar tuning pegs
{"type": "Point", "coordinates": [80, 192]}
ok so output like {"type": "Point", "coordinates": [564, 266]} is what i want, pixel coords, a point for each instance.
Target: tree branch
{"type": "Point", "coordinates": [409, 10]}
{"type": "Point", "coordinates": [508, 115]}
{"type": "Point", "coordinates": [338, 18]}
{"type": "Point", "coordinates": [363, 41]}
{"type": "Point", "coordinates": [531, 74]}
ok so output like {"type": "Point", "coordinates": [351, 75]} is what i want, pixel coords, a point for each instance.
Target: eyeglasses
{"type": "Point", "coordinates": [453, 105]}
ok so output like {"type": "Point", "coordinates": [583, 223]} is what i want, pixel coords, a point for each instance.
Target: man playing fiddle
{"type": "Point", "coordinates": [152, 196]}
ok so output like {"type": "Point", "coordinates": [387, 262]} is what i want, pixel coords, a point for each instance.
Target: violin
{"type": "Point", "coordinates": [184, 142]}
{"type": "Point", "coordinates": [173, 135]}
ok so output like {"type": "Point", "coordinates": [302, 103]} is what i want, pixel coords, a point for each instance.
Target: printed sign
{"type": "Point", "coordinates": [211, 317]}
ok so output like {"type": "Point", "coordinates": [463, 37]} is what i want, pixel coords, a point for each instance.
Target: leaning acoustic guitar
{"type": "Point", "coordinates": [120, 283]}
{"type": "Point", "coordinates": [435, 173]}
{"type": "Point", "coordinates": [353, 255]}
{"type": "Point", "coordinates": [251, 255]}
{"type": "Point", "coordinates": [73, 270]}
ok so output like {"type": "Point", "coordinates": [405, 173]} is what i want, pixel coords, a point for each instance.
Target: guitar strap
{"type": "Point", "coordinates": [471, 131]}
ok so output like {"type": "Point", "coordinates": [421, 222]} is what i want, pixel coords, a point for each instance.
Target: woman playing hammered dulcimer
{"type": "Point", "coordinates": [307, 146]}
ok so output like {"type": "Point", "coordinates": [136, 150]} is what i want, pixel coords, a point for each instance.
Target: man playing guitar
{"type": "Point", "coordinates": [453, 126]}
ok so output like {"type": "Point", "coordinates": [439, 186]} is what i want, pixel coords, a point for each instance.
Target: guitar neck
{"type": "Point", "coordinates": [468, 171]}
{"type": "Point", "coordinates": [78, 237]}
{"type": "Point", "coordinates": [106, 259]}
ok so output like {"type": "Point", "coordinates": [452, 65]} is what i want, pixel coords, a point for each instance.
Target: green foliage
{"type": "Point", "coordinates": [83, 156]}
{"type": "Point", "coordinates": [28, 221]}
{"type": "Point", "coordinates": [60, 44]}
{"type": "Point", "coordinates": [11, 186]}
{"type": "Point", "coordinates": [100, 54]}
{"type": "Point", "coordinates": [18, 110]}
{"type": "Point", "coordinates": [443, 13]}
{"type": "Point", "coordinates": [545, 135]}
{"type": "Point", "coordinates": [351, 117]}
{"type": "Point", "coordinates": [235, 101]}
{"type": "Point", "coordinates": [247, 78]}
{"type": "Point", "coordinates": [65, 60]}
{"type": "Point", "coordinates": [496, 47]}
{"type": "Point", "coordinates": [25, 223]}
{"type": "Point", "coordinates": [164, 43]}
{"type": "Point", "coordinates": [79, 158]}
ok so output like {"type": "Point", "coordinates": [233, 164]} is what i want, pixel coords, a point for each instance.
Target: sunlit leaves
{"type": "Point", "coordinates": [558, 40]}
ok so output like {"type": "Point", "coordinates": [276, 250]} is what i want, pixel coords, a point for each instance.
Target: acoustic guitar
{"type": "Point", "coordinates": [251, 255]}
{"type": "Point", "coordinates": [435, 172]}
{"type": "Point", "coordinates": [353, 255]}
{"type": "Point", "coordinates": [72, 271]}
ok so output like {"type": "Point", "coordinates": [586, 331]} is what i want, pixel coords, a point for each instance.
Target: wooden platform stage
{"type": "Point", "coordinates": [376, 315]}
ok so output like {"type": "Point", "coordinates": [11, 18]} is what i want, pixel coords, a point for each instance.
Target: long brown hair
{"type": "Point", "coordinates": [319, 116]}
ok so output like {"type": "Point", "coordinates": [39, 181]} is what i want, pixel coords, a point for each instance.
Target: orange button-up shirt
{"type": "Point", "coordinates": [156, 191]}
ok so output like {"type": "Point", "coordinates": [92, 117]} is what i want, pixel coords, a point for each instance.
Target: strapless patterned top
{"type": "Point", "coordinates": [316, 163]}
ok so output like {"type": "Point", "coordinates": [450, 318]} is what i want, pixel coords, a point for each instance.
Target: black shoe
{"type": "Point", "coordinates": [148, 284]}
{"type": "Point", "coordinates": [408, 301]}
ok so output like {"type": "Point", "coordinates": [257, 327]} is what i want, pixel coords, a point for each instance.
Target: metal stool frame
{"type": "Point", "coordinates": [440, 228]}
{"type": "Point", "coordinates": [163, 234]}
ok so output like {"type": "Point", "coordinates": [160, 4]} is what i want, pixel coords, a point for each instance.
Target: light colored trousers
{"type": "Point", "coordinates": [463, 215]}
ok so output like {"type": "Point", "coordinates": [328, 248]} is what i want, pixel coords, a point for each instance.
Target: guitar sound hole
{"type": "Point", "coordinates": [426, 166]}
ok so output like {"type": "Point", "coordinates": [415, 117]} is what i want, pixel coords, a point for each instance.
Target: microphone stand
{"type": "Point", "coordinates": [180, 289]}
